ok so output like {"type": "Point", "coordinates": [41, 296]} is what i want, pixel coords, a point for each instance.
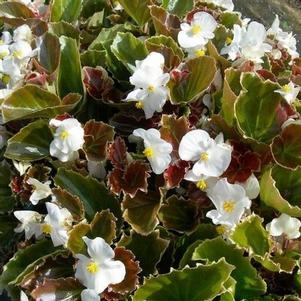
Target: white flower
{"type": "Point", "coordinates": [99, 270]}
{"type": "Point", "coordinates": [252, 44]}
{"type": "Point", "coordinates": [57, 223]}
{"type": "Point", "coordinates": [10, 67]}
{"type": "Point", "coordinates": [89, 295]}
{"type": "Point", "coordinates": [230, 201]}
{"type": "Point", "coordinates": [4, 51]}
{"type": "Point", "coordinates": [22, 32]}
{"type": "Point", "coordinates": [212, 157]}
{"type": "Point", "coordinates": [68, 139]}
{"type": "Point", "coordinates": [197, 51]}
{"type": "Point", "coordinates": [226, 4]}
{"type": "Point", "coordinates": [285, 40]}
{"type": "Point", "coordinates": [21, 167]}
{"type": "Point", "coordinates": [199, 32]}
{"type": "Point", "coordinates": [284, 224]}
{"type": "Point", "coordinates": [41, 190]}
{"type": "Point", "coordinates": [202, 182]}
{"type": "Point", "coordinates": [150, 84]}
{"type": "Point", "coordinates": [21, 50]}
{"type": "Point", "coordinates": [252, 187]}
{"type": "Point", "coordinates": [6, 38]}
{"type": "Point", "coordinates": [289, 92]}
{"type": "Point", "coordinates": [30, 223]}
{"type": "Point", "coordinates": [156, 149]}
{"type": "Point", "coordinates": [23, 296]}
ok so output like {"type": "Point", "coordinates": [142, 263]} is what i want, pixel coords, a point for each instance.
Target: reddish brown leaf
{"type": "Point", "coordinates": [116, 153]}
{"type": "Point", "coordinates": [97, 82]}
{"type": "Point", "coordinates": [175, 173]}
{"type": "Point", "coordinates": [97, 135]}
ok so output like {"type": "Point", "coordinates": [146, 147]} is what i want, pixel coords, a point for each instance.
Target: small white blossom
{"type": "Point", "coordinates": [89, 295]}
{"type": "Point", "coordinates": [41, 190]}
{"type": "Point", "coordinates": [30, 223]}
{"type": "Point", "coordinates": [57, 223]}
{"type": "Point", "coordinates": [289, 92]}
{"type": "Point", "coordinates": [202, 182]}
{"type": "Point", "coordinates": [23, 296]}
{"type": "Point", "coordinates": [21, 50]}
{"type": "Point", "coordinates": [284, 225]}
{"type": "Point", "coordinates": [150, 84]}
{"type": "Point", "coordinates": [230, 201]}
{"type": "Point", "coordinates": [156, 149]}
{"type": "Point", "coordinates": [99, 270]}
{"type": "Point", "coordinates": [68, 139]}
{"type": "Point", "coordinates": [22, 32]}
{"type": "Point", "coordinates": [252, 187]}
{"type": "Point", "coordinates": [21, 167]}
{"type": "Point", "coordinates": [6, 38]}
{"type": "Point", "coordinates": [199, 32]}
{"type": "Point", "coordinates": [211, 157]}
{"type": "Point", "coordinates": [226, 4]}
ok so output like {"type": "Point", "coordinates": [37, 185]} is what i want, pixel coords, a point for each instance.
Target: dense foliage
{"type": "Point", "coordinates": [150, 151]}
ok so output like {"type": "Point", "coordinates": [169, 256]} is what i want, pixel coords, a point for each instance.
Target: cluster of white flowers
{"type": "Point", "coordinates": [68, 139]}
{"type": "Point", "coordinates": [194, 37]}
{"type": "Point", "coordinates": [149, 79]}
{"type": "Point", "coordinates": [15, 53]}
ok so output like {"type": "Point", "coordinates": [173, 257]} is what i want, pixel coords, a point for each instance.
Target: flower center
{"type": "Point", "coordinates": [3, 54]}
{"type": "Point", "coordinates": [229, 40]}
{"type": "Point", "coordinates": [92, 267]}
{"type": "Point", "coordinates": [221, 229]}
{"type": "Point", "coordinates": [64, 135]}
{"type": "Point", "coordinates": [151, 89]}
{"type": "Point", "coordinates": [204, 156]}
{"type": "Point", "coordinates": [196, 29]}
{"type": "Point", "coordinates": [139, 105]}
{"type": "Point", "coordinates": [287, 89]}
{"type": "Point", "coordinates": [199, 52]}
{"type": "Point", "coordinates": [202, 184]}
{"type": "Point", "coordinates": [148, 152]}
{"type": "Point", "coordinates": [18, 54]}
{"type": "Point", "coordinates": [5, 79]}
{"type": "Point", "coordinates": [46, 229]}
{"type": "Point", "coordinates": [229, 206]}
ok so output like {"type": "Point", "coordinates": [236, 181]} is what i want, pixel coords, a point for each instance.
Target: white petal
{"type": "Point", "coordinates": [89, 295]}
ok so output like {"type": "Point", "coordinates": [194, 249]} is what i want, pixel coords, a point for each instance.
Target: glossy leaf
{"type": "Point", "coordinates": [178, 7]}
{"type": "Point", "coordinates": [142, 246]}
{"type": "Point", "coordinates": [93, 58]}
{"type": "Point", "coordinates": [286, 148]}
{"type": "Point", "coordinates": [255, 108]}
{"type": "Point", "coordinates": [7, 201]}
{"type": "Point", "coordinates": [201, 72]}
{"type": "Point", "coordinates": [63, 28]}
{"type": "Point", "coordinates": [128, 49]}
{"type": "Point", "coordinates": [65, 10]}
{"type": "Point", "coordinates": [184, 285]}
{"type": "Point", "coordinates": [31, 143]}
{"type": "Point", "coordinates": [32, 101]}
{"type": "Point", "coordinates": [16, 10]}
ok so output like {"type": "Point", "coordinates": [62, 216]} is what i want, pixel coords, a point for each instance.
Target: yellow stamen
{"type": "Point", "coordinates": [148, 152]}
{"type": "Point", "coordinates": [151, 89]}
{"type": "Point", "coordinates": [196, 29]}
{"type": "Point", "coordinates": [18, 54]}
{"type": "Point", "coordinates": [3, 54]}
{"type": "Point", "coordinates": [229, 40]}
{"type": "Point", "coordinates": [5, 79]}
{"type": "Point", "coordinates": [204, 156]}
{"type": "Point", "coordinates": [202, 184]}
{"type": "Point", "coordinates": [139, 105]}
{"type": "Point", "coordinates": [286, 89]}
{"type": "Point", "coordinates": [221, 229]}
{"type": "Point", "coordinates": [199, 52]}
{"type": "Point", "coordinates": [229, 206]}
{"type": "Point", "coordinates": [64, 135]}
{"type": "Point", "coordinates": [92, 267]}
{"type": "Point", "coordinates": [46, 229]}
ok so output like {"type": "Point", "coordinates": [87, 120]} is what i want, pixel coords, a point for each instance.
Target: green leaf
{"type": "Point", "coordinates": [280, 189]}
{"type": "Point", "coordinates": [92, 6]}
{"type": "Point", "coordinates": [179, 214]}
{"type": "Point", "coordinates": [201, 72]}
{"type": "Point", "coordinates": [286, 148]}
{"type": "Point", "coordinates": [7, 226]}
{"type": "Point", "coordinates": [75, 242]}
{"type": "Point", "coordinates": [7, 201]}
{"type": "Point", "coordinates": [31, 143]}
{"type": "Point", "coordinates": [92, 193]}
{"type": "Point", "coordinates": [137, 9]}
{"type": "Point", "coordinates": [97, 135]}
{"type": "Point", "coordinates": [93, 58]}
{"type": "Point", "coordinates": [205, 282]}
{"type": "Point", "coordinates": [141, 211]}
{"type": "Point", "coordinates": [24, 257]}
{"type": "Point", "coordinates": [65, 10]}
{"type": "Point", "coordinates": [31, 101]}
{"type": "Point", "coordinates": [143, 246]}
{"type": "Point", "coordinates": [229, 19]}
{"type": "Point", "coordinates": [249, 283]}
{"type": "Point", "coordinates": [63, 28]}
{"type": "Point", "coordinates": [255, 108]}
{"type": "Point", "coordinates": [49, 54]}
{"type": "Point", "coordinates": [69, 73]}
{"type": "Point", "coordinates": [178, 7]}
{"type": "Point", "coordinates": [251, 235]}
{"type": "Point", "coordinates": [127, 48]}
